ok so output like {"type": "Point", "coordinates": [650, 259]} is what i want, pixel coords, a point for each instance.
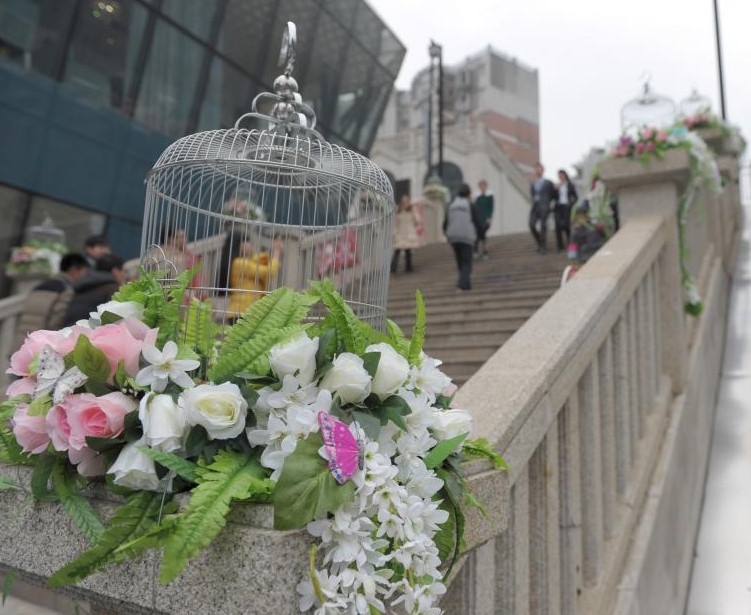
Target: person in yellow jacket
{"type": "Point", "coordinates": [251, 275]}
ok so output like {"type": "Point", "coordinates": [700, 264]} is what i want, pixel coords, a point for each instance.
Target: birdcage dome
{"type": "Point", "coordinates": [275, 204]}
{"type": "Point", "coordinates": [648, 109]}
{"type": "Point", "coordinates": [694, 104]}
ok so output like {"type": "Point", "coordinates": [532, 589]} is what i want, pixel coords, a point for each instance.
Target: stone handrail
{"type": "Point", "coordinates": [10, 310]}
{"type": "Point", "coordinates": [602, 405]}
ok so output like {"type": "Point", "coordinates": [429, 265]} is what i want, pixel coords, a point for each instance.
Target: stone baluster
{"type": "Point", "coordinates": [651, 189]}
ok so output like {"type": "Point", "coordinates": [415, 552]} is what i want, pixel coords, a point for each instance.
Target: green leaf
{"type": "Point", "coordinates": [452, 496]}
{"type": "Point", "coordinates": [40, 406]}
{"type": "Point", "coordinates": [397, 338]}
{"type": "Point", "coordinates": [10, 451]}
{"type": "Point", "coordinates": [90, 360]}
{"type": "Point", "coordinates": [480, 447]}
{"type": "Point", "coordinates": [197, 440]}
{"type": "Point", "coordinates": [130, 521]}
{"type": "Point", "coordinates": [442, 450]}
{"type": "Point", "coordinates": [394, 409]}
{"type": "Point", "coordinates": [6, 484]}
{"type": "Point", "coordinates": [109, 318]}
{"type": "Point", "coordinates": [198, 330]}
{"type": "Point", "coordinates": [306, 490]}
{"type": "Point", "coordinates": [104, 444]}
{"type": "Point", "coordinates": [418, 331]}
{"type": "Point", "coordinates": [76, 505]}
{"type": "Point", "coordinates": [182, 467]}
{"type": "Point", "coordinates": [121, 376]}
{"type": "Point", "coordinates": [370, 362]}
{"type": "Point", "coordinates": [132, 428]}
{"type": "Point", "coordinates": [40, 478]}
{"type": "Point", "coordinates": [274, 319]}
{"type": "Point", "coordinates": [370, 424]}
{"type": "Point", "coordinates": [232, 476]}
{"type": "Point", "coordinates": [8, 407]}
{"type": "Point", "coordinates": [10, 578]}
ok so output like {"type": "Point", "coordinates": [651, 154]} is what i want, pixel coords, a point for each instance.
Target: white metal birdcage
{"type": "Point", "coordinates": [275, 205]}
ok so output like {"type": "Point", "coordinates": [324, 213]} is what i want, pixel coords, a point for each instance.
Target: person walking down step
{"type": "Point", "coordinates": [484, 206]}
{"type": "Point", "coordinates": [543, 198]}
{"type": "Point", "coordinates": [408, 232]}
{"type": "Point", "coordinates": [565, 201]}
{"type": "Point", "coordinates": [460, 227]}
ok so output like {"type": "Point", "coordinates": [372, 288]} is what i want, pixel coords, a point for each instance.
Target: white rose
{"type": "Point", "coordinates": [124, 309]}
{"type": "Point", "coordinates": [295, 357]}
{"type": "Point", "coordinates": [219, 408]}
{"type": "Point", "coordinates": [134, 469]}
{"type": "Point", "coordinates": [450, 423]}
{"type": "Point", "coordinates": [392, 371]}
{"type": "Point", "coordinates": [164, 426]}
{"type": "Point", "coordinates": [347, 378]}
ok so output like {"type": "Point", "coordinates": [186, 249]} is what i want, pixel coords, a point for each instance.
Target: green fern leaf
{"type": "Point", "coordinates": [197, 329]}
{"type": "Point", "coordinates": [418, 331]}
{"type": "Point", "coordinates": [77, 506]}
{"type": "Point", "coordinates": [131, 520]}
{"type": "Point", "coordinates": [273, 319]}
{"type": "Point", "coordinates": [10, 451]}
{"type": "Point", "coordinates": [353, 333]}
{"type": "Point", "coordinates": [232, 476]}
{"type": "Point", "coordinates": [182, 467]}
{"type": "Point", "coordinates": [397, 338]}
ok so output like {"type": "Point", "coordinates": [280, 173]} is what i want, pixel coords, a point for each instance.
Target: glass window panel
{"type": "Point", "coordinates": [77, 223]}
{"type": "Point", "coordinates": [13, 205]}
{"type": "Point", "coordinates": [246, 36]}
{"type": "Point", "coordinates": [103, 55]}
{"type": "Point", "coordinates": [33, 32]}
{"type": "Point", "coordinates": [228, 95]}
{"type": "Point", "coordinates": [169, 81]}
{"type": "Point", "coordinates": [193, 15]}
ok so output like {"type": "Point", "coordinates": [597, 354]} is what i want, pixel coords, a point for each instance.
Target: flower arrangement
{"type": "Point", "coordinates": [346, 430]}
{"type": "Point", "coordinates": [654, 143]}
{"type": "Point", "coordinates": [245, 209]}
{"type": "Point", "coordinates": [35, 258]}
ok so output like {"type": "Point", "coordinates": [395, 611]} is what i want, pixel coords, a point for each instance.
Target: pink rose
{"type": "Point", "coordinates": [33, 344]}
{"type": "Point", "coordinates": [98, 417]}
{"type": "Point", "coordinates": [88, 462]}
{"type": "Point", "coordinates": [621, 151]}
{"type": "Point", "coordinates": [123, 341]}
{"type": "Point", "coordinates": [647, 133]}
{"type": "Point", "coordinates": [22, 386]}
{"type": "Point", "coordinates": [662, 136]}
{"type": "Point", "coordinates": [650, 147]}
{"type": "Point", "coordinates": [640, 148]}
{"type": "Point", "coordinates": [30, 431]}
{"type": "Point", "coordinates": [58, 428]}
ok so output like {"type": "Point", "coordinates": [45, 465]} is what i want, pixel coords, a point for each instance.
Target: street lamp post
{"type": "Point", "coordinates": [719, 58]}
{"type": "Point", "coordinates": [436, 53]}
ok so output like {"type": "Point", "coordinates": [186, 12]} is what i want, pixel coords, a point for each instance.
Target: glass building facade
{"type": "Point", "coordinates": [91, 92]}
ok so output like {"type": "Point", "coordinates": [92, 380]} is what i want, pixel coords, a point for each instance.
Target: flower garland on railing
{"type": "Point", "coordinates": [652, 143]}
{"type": "Point", "coordinates": [35, 258]}
{"type": "Point", "coordinates": [346, 430]}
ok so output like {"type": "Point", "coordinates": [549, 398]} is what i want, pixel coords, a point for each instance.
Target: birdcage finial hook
{"type": "Point", "coordinates": [288, 51]}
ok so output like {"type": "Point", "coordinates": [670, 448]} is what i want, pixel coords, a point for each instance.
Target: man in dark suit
{"type": "Point", "coordinates": [543, 198]}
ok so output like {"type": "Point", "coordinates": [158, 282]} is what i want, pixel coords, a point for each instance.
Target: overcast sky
{"type": "Point", "coordinates": [590, 55]}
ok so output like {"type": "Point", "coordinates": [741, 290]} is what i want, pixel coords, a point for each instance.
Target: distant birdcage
{"type": "Point", "coordinates": [650, 109]}
{"type": "Point", "coordinates": [253, 209]}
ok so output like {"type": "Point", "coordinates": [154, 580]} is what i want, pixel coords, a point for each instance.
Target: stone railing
{"type": "Point", "coordinates": [602, 405]}
{"type": "Point", "coordinates": [10, 310]}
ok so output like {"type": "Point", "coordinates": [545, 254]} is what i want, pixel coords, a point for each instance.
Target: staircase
{"type": "Point", "coordinates": [466, 328]}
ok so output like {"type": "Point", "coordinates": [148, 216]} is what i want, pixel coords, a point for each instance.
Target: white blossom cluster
{"type": "Point", "coordinates": [378, 550]}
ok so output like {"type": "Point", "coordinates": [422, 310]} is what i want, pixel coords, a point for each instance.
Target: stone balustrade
{"type": "Point", "coordinates": [602, 405]}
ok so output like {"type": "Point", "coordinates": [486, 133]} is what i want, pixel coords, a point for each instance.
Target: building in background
{"type": "Point", "coordinates": [92, 91]}
{"type": "Point", "coordinates": [491, 131]}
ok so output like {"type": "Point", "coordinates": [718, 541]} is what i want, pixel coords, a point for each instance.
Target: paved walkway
{"type": "Point", "coordinates": [721, 580]}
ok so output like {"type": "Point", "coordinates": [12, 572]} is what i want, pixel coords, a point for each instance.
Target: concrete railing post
{"type": "Point", "coordinates": [649, 189]}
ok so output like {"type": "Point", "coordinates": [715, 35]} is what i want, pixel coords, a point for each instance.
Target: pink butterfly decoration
{"type": "Point", "coordinates": [343, 449]}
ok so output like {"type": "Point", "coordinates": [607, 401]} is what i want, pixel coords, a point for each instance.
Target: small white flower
{"type": "Point", "coordinates": [165, 366]}
{"type": "Point", "coordinates": [428, 378]}
{"type": "Point", "coordinates": [134, 469]}
{"type": "Point", "coordinates": [451, 423]}
{"type": "Point", "coordinates": [291, 394]}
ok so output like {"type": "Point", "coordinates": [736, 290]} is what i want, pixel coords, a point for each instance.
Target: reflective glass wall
{"type": "Point", "coordinates": [177, 66]}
